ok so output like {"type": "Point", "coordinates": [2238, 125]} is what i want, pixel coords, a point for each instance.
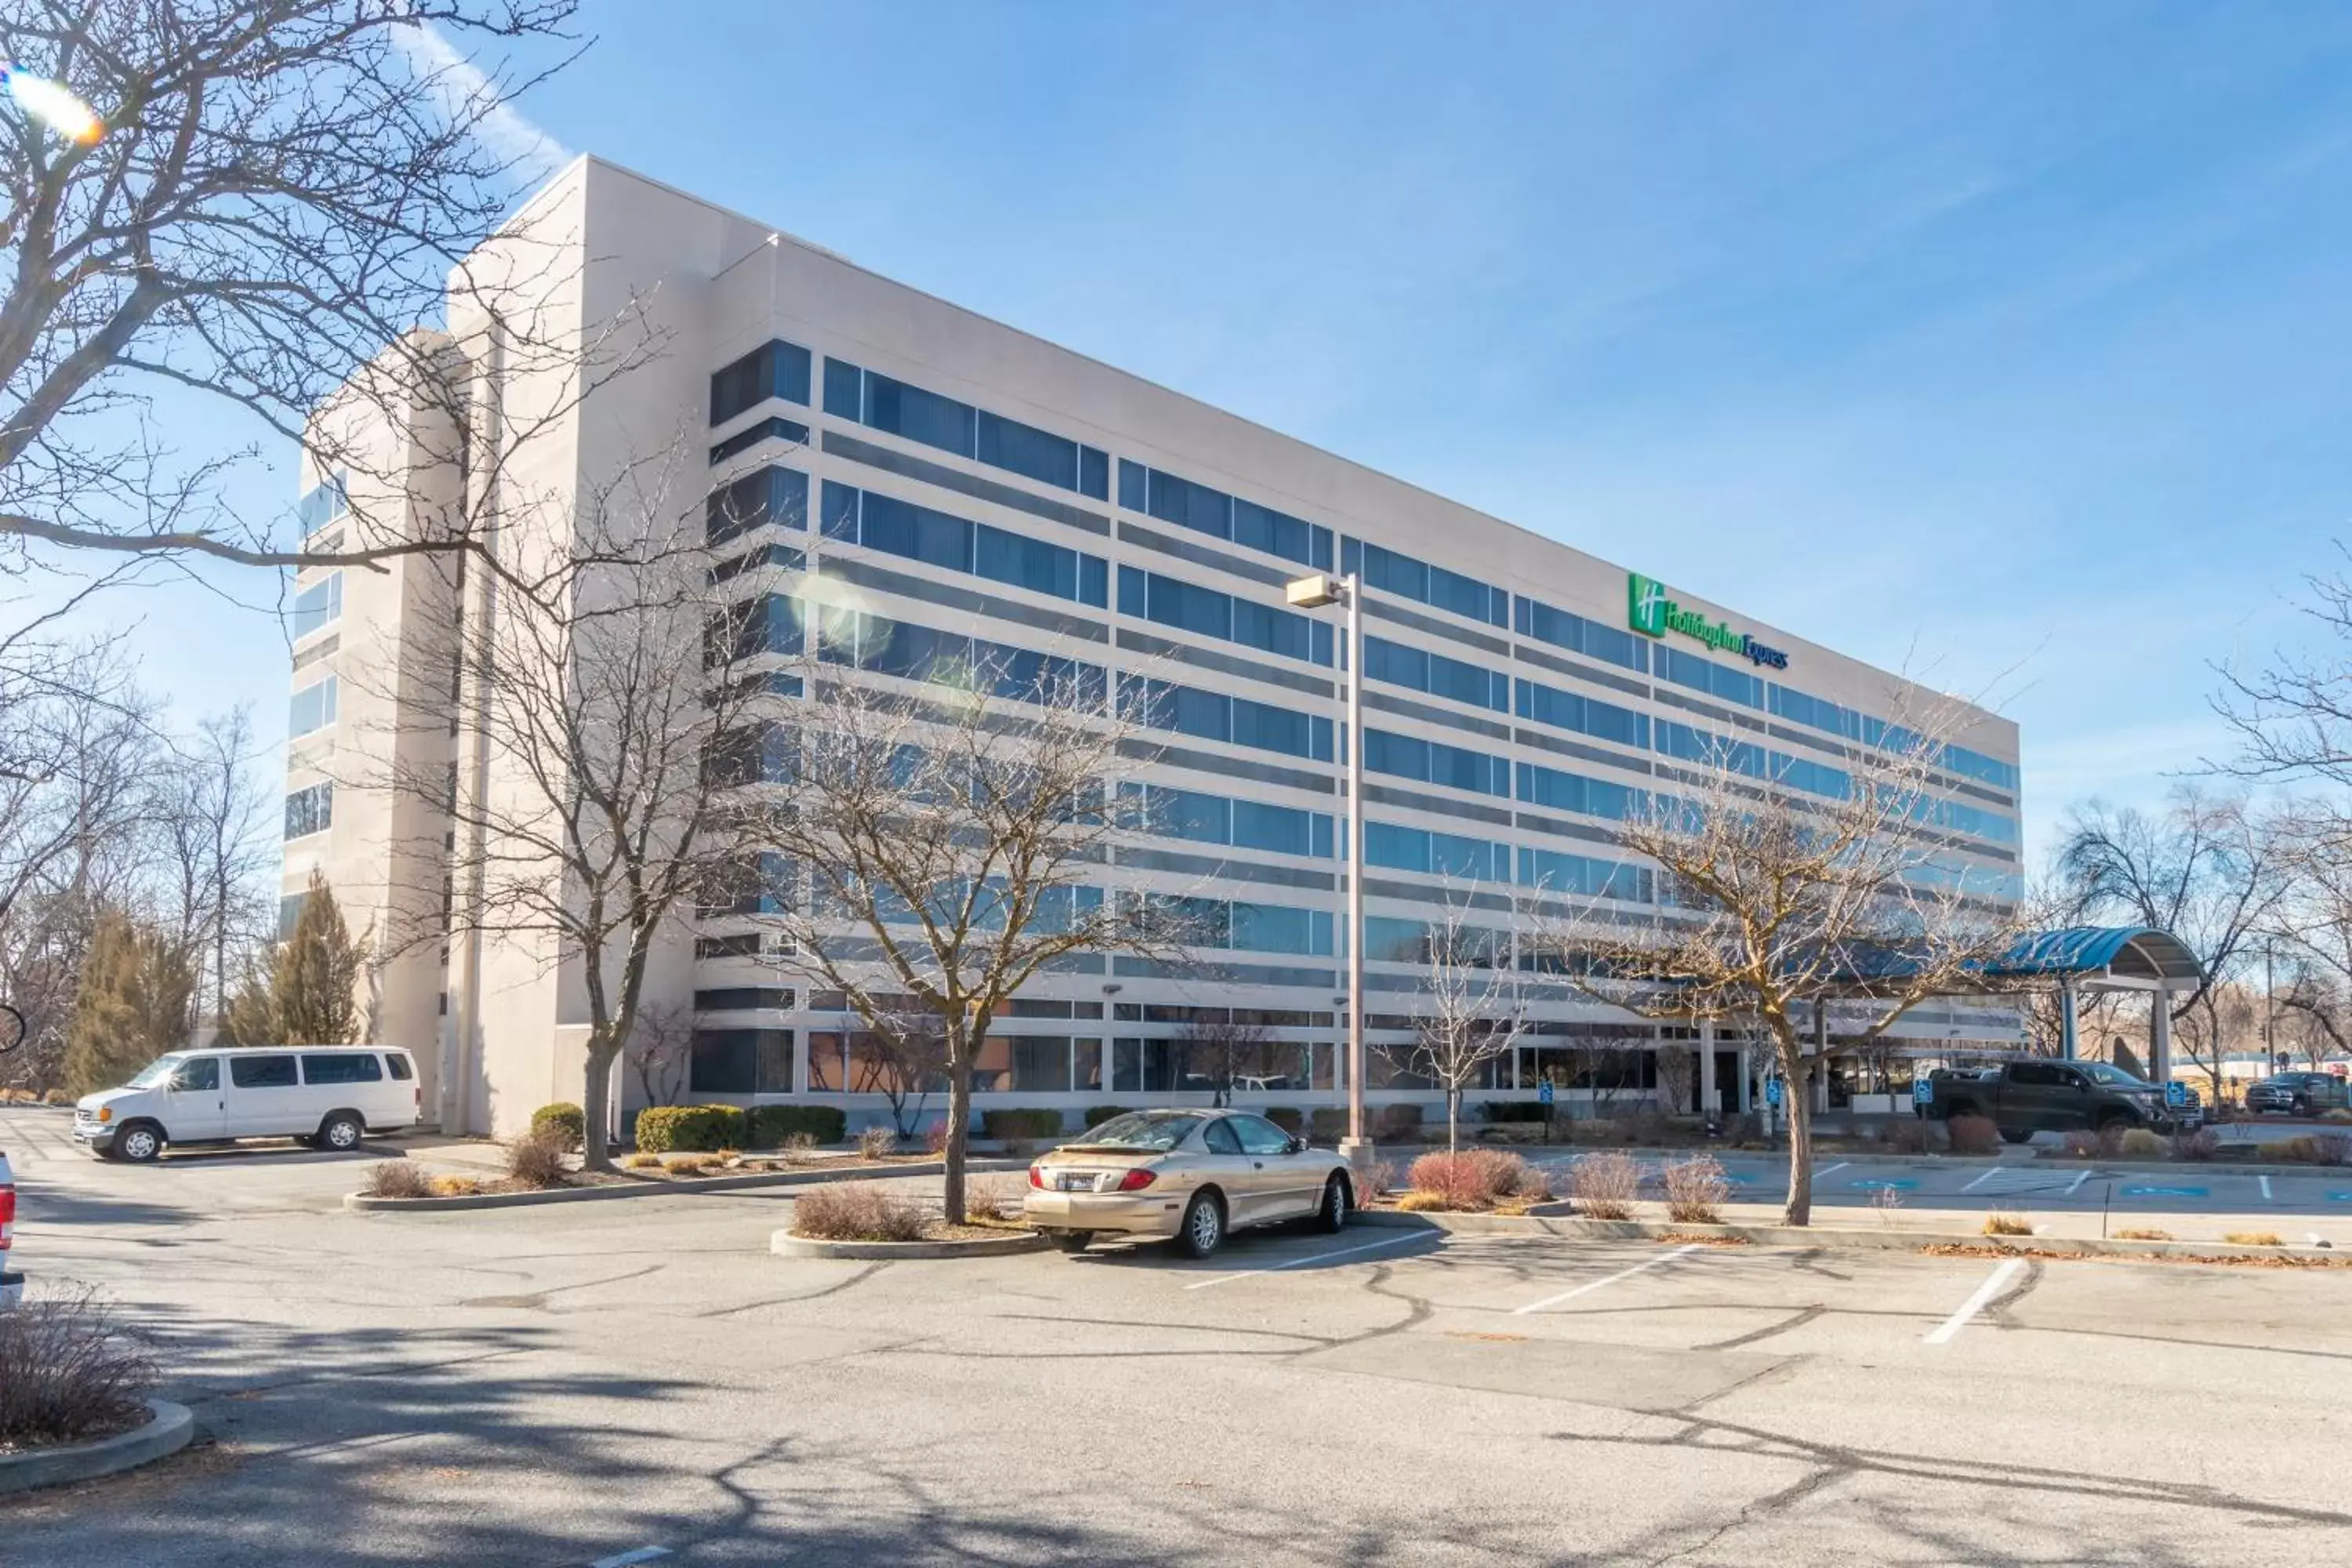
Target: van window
{"type": "Point", "coordinates": [262, 1072]}
{"type": "Point", "coordinates": [356, 1066]}
{"type": "Point", "coordinates": [200, 1073]}
{"type": "Point", "coordinates": [401, 1071]}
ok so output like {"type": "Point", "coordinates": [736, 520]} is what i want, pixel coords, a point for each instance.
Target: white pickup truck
{"type": "Point", "coordinates": [12, 1285]}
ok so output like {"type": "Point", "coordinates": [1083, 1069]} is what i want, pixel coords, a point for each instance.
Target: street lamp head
{"type": "Point", "coordinates": [1314, 593]}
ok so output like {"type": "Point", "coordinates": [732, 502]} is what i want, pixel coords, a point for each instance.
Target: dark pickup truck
{"type": "Point", "coordinates": [2029, 1096]}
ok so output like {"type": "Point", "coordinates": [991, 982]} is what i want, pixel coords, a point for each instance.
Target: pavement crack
{"type": "Point", "coordinates": [1796, 1320]}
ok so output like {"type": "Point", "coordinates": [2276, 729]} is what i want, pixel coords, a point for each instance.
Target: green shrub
{"type": "Point", "coordinates": [1517, 1110]}
{"type": "Point", "coordinates": [1095, 1115]}
{"type": "Point", "coordinates": [1327, 1121]}
{"type": "Point", "coordinates": [1021, 1121]}
{"type": "Point", "coordinates": [1286, 1117]}
{"type": "Point", "coordinates": [662, 1129]}
{"type": "Point", "coordinates": [565, 1121]}
{"type": "Point", "coordinates": [767, 1126]}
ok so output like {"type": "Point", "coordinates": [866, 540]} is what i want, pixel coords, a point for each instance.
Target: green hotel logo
{"type": "Point", "coordinates": [1649, 611]}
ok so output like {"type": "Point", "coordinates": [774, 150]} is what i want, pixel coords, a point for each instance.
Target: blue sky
{"type": "Point", "coordinates": [2006, 345]}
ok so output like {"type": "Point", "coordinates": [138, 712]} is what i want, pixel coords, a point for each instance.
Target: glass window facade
{"type": "Point", "coordinates": [1418, 669]}
{"type": "Point", "coordinates": [741, 1061]}
{"type": "Point", "coordinates": [309, 810]}
{"type": "Point", "coordinates": [768, 624]}
{"type": "Point", "coordinates": [1533, 619]}
{"type": "Point", "coordinates": [766, 497]}
{"type": "Point", "coordinates": [1434, 585]}
{"type": "Point", "coordinates": [1221, 516]}
{"type": "Point", "coordinates": [312, 708]}
{"type": "Point", "coordinates": [1201, 818]}
{"type": "Point", "coordinates": [318, 606]}
{"type": "Point", "coordinates": [751, 435]}
{"type": "Point", "coordinates": [1703, 674]}
{"type": "Point", "coordinates": [1206, 612]}
{"type": "Point", "coordinates": [324, 502]}
{"type": "Point", "coordinates": [1561, 710]}
{"type": "Point", "coordinates": [1213, 716]}
{"type": "Point", "coordinates": [881, 403]}
{"type": "Point", "coordinates": [937, 539]}
{"type": "Point", "coordinates": [1433, 761]}
{"type": "Point", "coordinates": [1556, 872]}
{"type": "Point", "coordinates": [1560, 791]}
{"type": "Point", "coordinates": [1400, 847]}
{"type": "Point", "coordinates": [776, 368]}
{"type": "Point", "coordinates": [913, 652]}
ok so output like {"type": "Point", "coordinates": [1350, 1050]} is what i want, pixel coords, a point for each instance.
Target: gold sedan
{"type": "Point", "coordinates": [1193, 1175]}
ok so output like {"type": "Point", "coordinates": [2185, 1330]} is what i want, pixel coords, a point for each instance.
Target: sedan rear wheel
{"type": "Point", "coordinates": [1203, 1230]}
{"type": "Point", "coordinates": [1072, 1240]}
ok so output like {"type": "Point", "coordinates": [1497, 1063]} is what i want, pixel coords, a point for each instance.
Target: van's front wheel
{"type": "Point", "coordinates": [139, 1144]}
{"type": "Point", "coordinates": [341, 1132]}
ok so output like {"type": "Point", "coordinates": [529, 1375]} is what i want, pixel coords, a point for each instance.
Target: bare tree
{"type": "Point", "coordinates": [660, 1051]}
{"type": "Point", "coordinates": [1775, 900]}
{"type": "Point", "coordinates": [945, 835]}
{"type": "Point", "coordinates": [2214, 870]}
{"type": "Point", "coordinates": [1677, 1068]}
{"type": "Point", "coordinates": [280, 192]}
{"type": "Point", "coordinates": [210, 816]}
{"type": "Point", "coordinates": [903, 1058]}
{"type": "Point", "coordinates": [1217, 1043]}
{"type": "Point", "coordinates": [1469, 1015]}
{"type": "Point", "coordinates": [612, 703]}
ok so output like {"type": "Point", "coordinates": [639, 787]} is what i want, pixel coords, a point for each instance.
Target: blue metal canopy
{"type": "Point", "coordinates": [2129, 953]}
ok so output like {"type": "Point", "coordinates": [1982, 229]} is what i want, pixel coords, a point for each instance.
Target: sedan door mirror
{"type": "Point", "coordinates": [1298, 1144]}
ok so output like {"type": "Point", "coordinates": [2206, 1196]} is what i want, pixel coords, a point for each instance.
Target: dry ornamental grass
{"type": "Point", "coordinates": [68, 1372]}
{"type": "Point", "coordinates": [2252, 1238]}
{"type": "Point", "coordinates": [986, 1198]}
{"type": "Point", "coordinates": [1696, 1190]}
{"type": "Point", "coordinates": [2006, 1221]}
{"type": "Point", "coordinates": [535, 1159]}
{"type": "Point", "coordinates": [1472, 1179]}
{"type": "Point", "coordinates": [856, 1211]}
{"type": "Point", "coordinates": [398, 1179]}
{"type": "Point", "coordinates": [1603, 1185]}
{"type": "Point", "coordinates": [877, 1143]}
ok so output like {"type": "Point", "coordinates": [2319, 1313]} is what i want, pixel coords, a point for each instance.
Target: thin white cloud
{"type": "Point", "coordinates": [468, 93]}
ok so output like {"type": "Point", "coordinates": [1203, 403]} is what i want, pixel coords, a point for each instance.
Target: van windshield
{"type": "Point", "coordinates": [154, 1074]}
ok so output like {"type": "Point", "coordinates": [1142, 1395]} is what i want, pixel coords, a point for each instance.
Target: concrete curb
{"type": "Point", "coordinates": [785, 1244]}
{"type": "Point", "coordinates": [2027, 1162]}
{"type": "Point", "coordinates": [1841, 1237]}
{"type": "Point", "coordinates": [659, 1187]}
{"type": "Point", "coordinates": [168, 1429]}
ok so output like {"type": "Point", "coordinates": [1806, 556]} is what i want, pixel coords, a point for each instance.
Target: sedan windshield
{"type": "Point", "coordinates": [1156, 1130]}
{"type": "Point", "coordinates": [156, 1071]}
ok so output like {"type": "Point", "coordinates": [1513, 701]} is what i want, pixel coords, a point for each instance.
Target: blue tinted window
{"type": "Point", "coordinates": [845, 396]}
{"type": "Point", "coordinates": [1187, 505]}
{"type": "Point", "coordinates": [1133, 482]}
{"type": "Point", "coordinates": [766, 497]}
{"type": "Point", "coordinates": [1175, 603]}
{"type": "Point", "coordinates": [776, 369]}
{"type": "Point", "coordinates": [1274, 729]}
{"type": "Point", "coordinates": [324, 502]}
{"type": "Point", "coordinates": [1094, 473]}
{"type": "Point", "coordinates": [1702, 674]}
{"type": "Point", "coordinates": [1572, 792]}
{"type": "Point", "coordinates": [916, 533]}
{"type": "Point", "coordinates": [1408, 578]}
{"type": "Point", "coordinates": [1286, 830]}
{"type": "Point", "coordinates": [1431, 761]}
{"type": "Point", "coordinates": [925, 652]}
{"type": "Point", "coordinates": [318, 606]}
{"type": "Point", "coordinates": [920, 416]}
{"type": "Point", "coordinates": [1027, 450]}
{"type": "Point", "coordinates": [1399, 665]}
{"type": "Point", "coordinates": [1277, 927]}
{"type": "Point", "coordinates": [1026, 562]}
{"type": "Point", "coordinates": [1558, 627]}
{"type": "Point", "coordinates": [1556, 873]}
{"type": "Point", "coordinates": [1277, 631]}
{"type": "Point", "coordinates": [312, 708]}
{"type": "Point", "coordinates": [751, 435]}
{"type": "Point", "coordinates": [1188, 606]}
{"type": "Point", "coordinates": [1585, 715]}
{"type": "Point", "coordinates": [1222, 516]}
{"type": "Point", "coordinates": [1447, 855]}
{"type": "Point", "coordinates": [919, 534]}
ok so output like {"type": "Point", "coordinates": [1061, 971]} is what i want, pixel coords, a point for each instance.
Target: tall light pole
{"type": "Point", "coordinates": [1314, 594]}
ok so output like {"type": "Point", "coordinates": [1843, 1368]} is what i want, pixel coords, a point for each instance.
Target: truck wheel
{"type": "Point", "coordinates": [341, 1131]}
{"type": "Point", "coordinates": [2017, 1134]}
{"type": "Point", "coordinates": [140, 1143]}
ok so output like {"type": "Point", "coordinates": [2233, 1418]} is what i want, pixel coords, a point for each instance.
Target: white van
{"type": "Point", "coordinates": [331, 1096]}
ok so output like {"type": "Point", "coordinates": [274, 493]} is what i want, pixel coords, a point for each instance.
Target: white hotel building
{"type": "Point", "coordinates": [971, 480]}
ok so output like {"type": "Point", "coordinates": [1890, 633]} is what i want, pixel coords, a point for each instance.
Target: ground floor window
{"type": "Point", "coordinates": [741, 1061]}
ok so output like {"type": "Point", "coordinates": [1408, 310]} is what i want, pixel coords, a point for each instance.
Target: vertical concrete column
{"type": "Point", "coordinates": [1747, 1082]}
{"type": "Point", "coordinates": [2066, 1021]}
{"type": "Point", "coordinates": [1821, 1056]}
{"type": "Point", "coordinates": [2159, 1039]}
{"type": "Point", "coordinates": [1707, 1101]}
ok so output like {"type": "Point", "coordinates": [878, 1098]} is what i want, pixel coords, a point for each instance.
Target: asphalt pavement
{"type": "Point", "coordinates": [642, 1381]}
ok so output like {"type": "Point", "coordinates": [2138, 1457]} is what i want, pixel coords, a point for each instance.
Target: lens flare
{"type": "Point", "coordinates": [52, 106]}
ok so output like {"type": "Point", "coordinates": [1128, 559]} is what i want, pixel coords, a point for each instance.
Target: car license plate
{"type": "Point", "coordinates": [1079, 1181]}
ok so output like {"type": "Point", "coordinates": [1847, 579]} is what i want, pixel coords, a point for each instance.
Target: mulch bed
{"type": "Point", "coordinates": [2252, 1259]}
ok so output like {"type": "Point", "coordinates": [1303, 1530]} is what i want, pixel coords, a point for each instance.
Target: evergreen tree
{"type": "Point", "coordinates": [132, 1006]}
{"type": "Point", "coordinates": [318, 972]}
{"type": "Point", "coordinates": [251, 1016]}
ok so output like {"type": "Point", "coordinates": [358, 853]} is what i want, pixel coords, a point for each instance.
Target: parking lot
{"type": "Point", "coordinates": [579, 1384]}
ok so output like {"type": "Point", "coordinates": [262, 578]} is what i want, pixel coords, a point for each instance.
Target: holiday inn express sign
{"type": "Point", "coordinates": [1649, 611]}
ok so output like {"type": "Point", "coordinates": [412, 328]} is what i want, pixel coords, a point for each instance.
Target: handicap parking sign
{"type": "Point", "coordinates": [1772, 1091]}
{"type": "Point", "coordinates": [1543, 1091]}
{"type": "Point", "coordinates": [2176, 1094]}
{"type": "Point", "coordinates": [1922, 1090]}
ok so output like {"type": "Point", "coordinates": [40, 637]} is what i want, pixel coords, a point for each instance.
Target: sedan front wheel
{"type": "Point", "coordinates": [1203, 1230]}
{"type": "Point", "coordinates": [1332, 1216]}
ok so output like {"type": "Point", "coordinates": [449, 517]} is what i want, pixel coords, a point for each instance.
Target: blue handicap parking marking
{"type": "Point", "coordinates": [2339, 1197]}
{"type": "Point", "coordinates": [1903, 1185]}
{"type": "Point", "coordinates": [2166, 1192]}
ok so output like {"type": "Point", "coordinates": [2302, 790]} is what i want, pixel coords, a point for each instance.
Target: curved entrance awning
{"type": "Point", "coordinates": [2134, 957]}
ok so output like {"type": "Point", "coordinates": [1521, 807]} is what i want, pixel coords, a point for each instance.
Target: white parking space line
{"type": "Point", "coordinates": [622, 1558]}
{"type": "Point", "coordinates": [2080, 1177]}
{"type": "Point", "coordinates": [1314, 1257]}
{"type": "Point", "coordinates": [1609, 1280]}
{"type": "Point", "coordinates": [1987, 1175]}
{"type": "Point", "coordinates": [2002, 1275]}
{"type": "Point", "coordinates": [2266, 1188]}
{"type": "Point", "coordinates": [1831, 1170]}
